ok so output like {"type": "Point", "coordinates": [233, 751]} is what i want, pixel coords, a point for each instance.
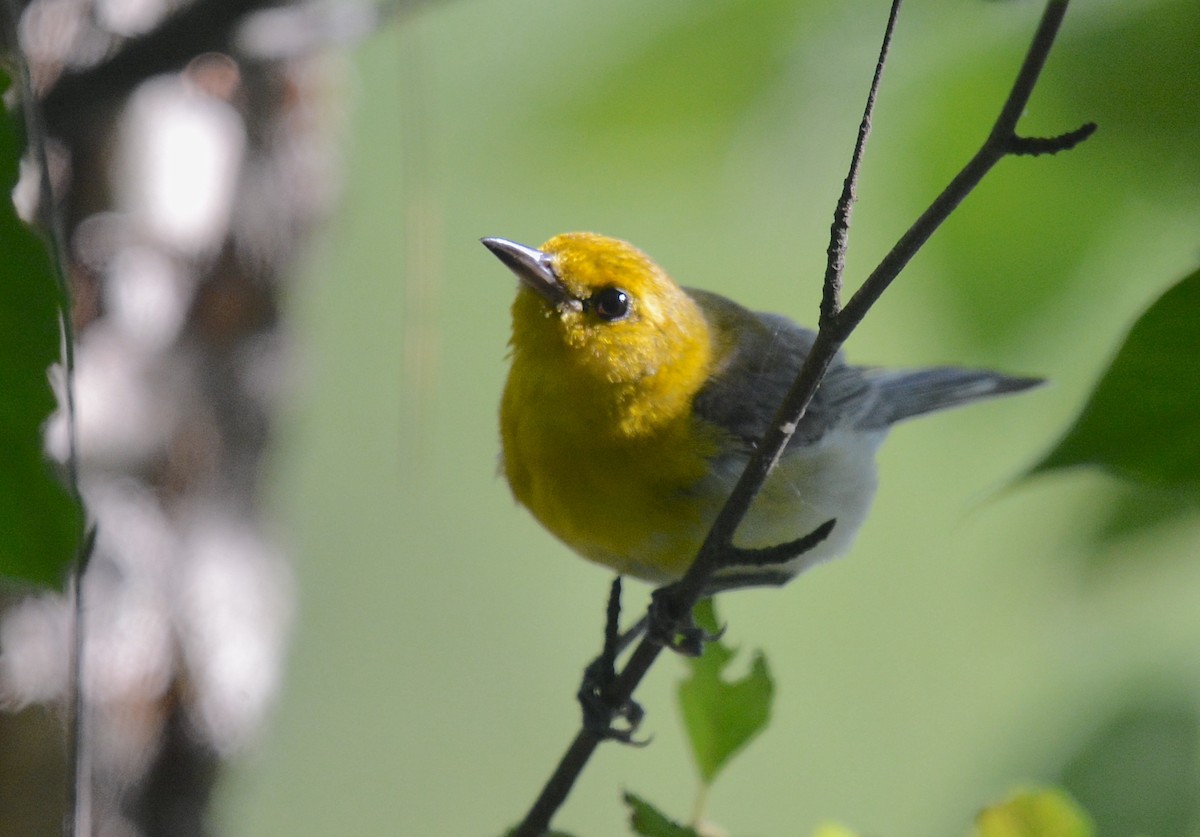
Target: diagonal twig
{"type": "Point", "coordinates": [839, 231]}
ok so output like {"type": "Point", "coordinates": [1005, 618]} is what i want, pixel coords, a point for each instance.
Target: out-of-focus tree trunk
{"type": "Point", "coordinates": [190, 151]}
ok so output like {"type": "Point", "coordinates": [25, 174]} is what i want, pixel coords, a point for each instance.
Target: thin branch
{"type": "Point", "coordinates": [835, 327]}
{"type": "Point", "coordinates": [839, 231]}
{"type": "Point", "coordinates": [1036, 146]}
{"type": "Point", "coordinates": [78, 821]}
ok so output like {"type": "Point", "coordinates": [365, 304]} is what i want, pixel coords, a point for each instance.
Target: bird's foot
{"type": "Point", "coordinates": [604, 718]}
{"type": "Point", "coordinates": [610, 719]}
{"type": "Point", "coordinates": [673, 626]}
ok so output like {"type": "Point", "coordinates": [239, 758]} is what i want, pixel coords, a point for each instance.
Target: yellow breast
{"type": "Point", "coordinates": [612, 478]}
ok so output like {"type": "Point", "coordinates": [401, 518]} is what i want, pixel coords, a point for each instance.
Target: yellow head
{"type": "Point", "coordinates": [601, 326]}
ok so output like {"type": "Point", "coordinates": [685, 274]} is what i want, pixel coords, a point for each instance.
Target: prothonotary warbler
{"type": "Point", "coordinates": [633, 404]}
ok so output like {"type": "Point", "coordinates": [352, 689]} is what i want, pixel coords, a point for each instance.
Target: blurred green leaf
{"type": "Point", "coordinates": [722, 716]}
{"type": "Point", "coordinates": [1142, 422]}
{"type": "Point", "coordinates": [1121, 514]}
{"type": "Point", "coordinates": [38, 520]}
{"type": "Point", "coordinates": [1135, 509]}
{"type": "Point", "coordinates": [648, 821]}
{"type": "Point", "coordinates": [1140, 772]}
{"type": "Point", "coordinates": [1034, 813]}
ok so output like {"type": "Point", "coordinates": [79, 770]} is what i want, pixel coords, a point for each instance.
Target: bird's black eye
{"type": "Point", "coordinates": [609, 303]}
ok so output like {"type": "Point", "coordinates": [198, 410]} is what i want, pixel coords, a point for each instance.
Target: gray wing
{"type": "Point", "coordinates": [754, 373]}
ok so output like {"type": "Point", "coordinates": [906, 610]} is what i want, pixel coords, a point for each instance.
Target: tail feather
{"type": "Point", "coordinates": [904, 394]}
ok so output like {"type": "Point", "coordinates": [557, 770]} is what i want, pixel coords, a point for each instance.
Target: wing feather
{"type": "Point", "coordinates": [758, 357]}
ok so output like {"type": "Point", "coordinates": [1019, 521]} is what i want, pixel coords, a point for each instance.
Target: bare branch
{"type": "Point", "coordinates": [1034, 146]}
{"type": "Point", "coordinates": [839, 232]}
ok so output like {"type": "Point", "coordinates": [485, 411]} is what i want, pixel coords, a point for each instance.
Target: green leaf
{"type": "Point", "coordinates": [648, 821]}
{"type": "Point", "coordinates": [38, 520]}
{"type": "Point", "coordinates": [1034, 813]}
{"type": "Point", "coordinates": [1142, 422]}
{"type": "Point", "coordinates": [722, 716]}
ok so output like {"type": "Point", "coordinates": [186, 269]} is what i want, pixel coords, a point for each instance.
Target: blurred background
{"type": "Point", "coordinates": [350, 628]}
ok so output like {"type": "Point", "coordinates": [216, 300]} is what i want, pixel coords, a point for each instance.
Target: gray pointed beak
{"type": "Point", "coordinates": [532, 267]}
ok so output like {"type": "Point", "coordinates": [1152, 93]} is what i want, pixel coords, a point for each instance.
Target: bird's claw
{"type": "Point", "coordinates": [672, 629]}
{"type": "Point", "coordinates": [600, 714]}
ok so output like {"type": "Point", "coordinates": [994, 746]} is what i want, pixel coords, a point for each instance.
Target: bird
{"type": "Point", "coordinates": [633, 404]}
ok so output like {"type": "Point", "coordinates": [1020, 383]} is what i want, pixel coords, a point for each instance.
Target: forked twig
{"type": "Point", "coordinates": [836, 325]}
